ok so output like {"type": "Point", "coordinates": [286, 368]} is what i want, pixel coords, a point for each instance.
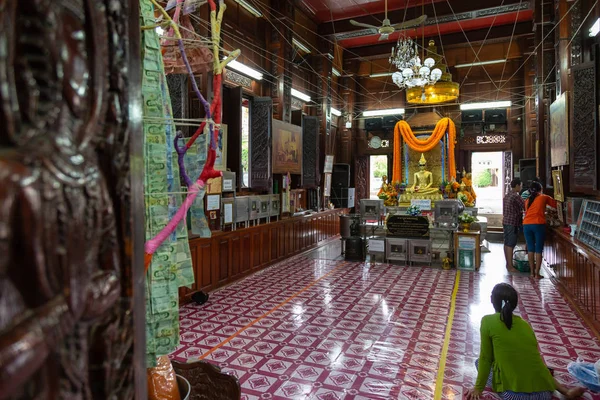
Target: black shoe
{"type": "Point", "coordinates": [200, 297]}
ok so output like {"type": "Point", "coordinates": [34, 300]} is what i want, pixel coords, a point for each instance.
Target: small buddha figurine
{"type": "Point", "coordinates": [468, 186]}
{"type": "Point", "coordinates": [387, 193]}
{"type": "Point", "coordinates": [423, 180]}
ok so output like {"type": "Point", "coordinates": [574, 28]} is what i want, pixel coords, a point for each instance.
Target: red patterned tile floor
{"type": "Point", "coordinates": [324, 328]}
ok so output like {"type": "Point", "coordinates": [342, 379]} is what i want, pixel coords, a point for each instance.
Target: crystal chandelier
{"type": "Point", "coordinates": [412, 72]}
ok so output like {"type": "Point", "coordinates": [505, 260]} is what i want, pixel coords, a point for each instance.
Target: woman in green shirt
{"type": "Point", "coordinates": [509, 360]}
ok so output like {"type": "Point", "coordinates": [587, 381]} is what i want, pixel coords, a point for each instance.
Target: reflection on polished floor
{"type": "Point", "coordinates": [318, 327]}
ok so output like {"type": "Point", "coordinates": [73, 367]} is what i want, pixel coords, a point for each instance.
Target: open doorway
{"type": "Point", "coordinates": [379, 168]}
{"type": "Point", "coordinates": [488, 181]}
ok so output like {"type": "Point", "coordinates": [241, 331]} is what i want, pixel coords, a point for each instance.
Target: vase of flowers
{"type": "Point", "coordinates": [413, 210]}
{"type": "Point", "coordinates": [466, 220]}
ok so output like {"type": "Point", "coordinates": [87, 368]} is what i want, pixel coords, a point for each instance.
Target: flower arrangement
{"type": "Point", "coordinates": [466, 218]}
{"type": "Point", "coordinates": [413, 210]}
{"type": "Point", "coordinates": [452, 189]}
{"type": "Point", "coordinates": [400, 186]}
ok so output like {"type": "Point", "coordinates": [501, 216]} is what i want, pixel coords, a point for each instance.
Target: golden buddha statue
{"type": "Point", "coordinates": [423, 186]}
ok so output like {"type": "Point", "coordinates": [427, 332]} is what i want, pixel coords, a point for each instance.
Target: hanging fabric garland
{"type": "Point", "coordinates": [402, 131]}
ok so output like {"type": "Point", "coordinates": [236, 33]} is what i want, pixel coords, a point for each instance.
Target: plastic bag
{"type": "Point", "coordinates": [162, 381]}
{"type": "Point", "coordinates": [520, 255]}
{"type": "Point", "coordinates": [586, 373]}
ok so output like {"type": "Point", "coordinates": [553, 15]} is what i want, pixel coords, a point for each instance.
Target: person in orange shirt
{"type": "Point", "coordinates": [534, 225]}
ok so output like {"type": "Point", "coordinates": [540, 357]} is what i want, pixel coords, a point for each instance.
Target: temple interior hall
{"type": "Point", "coordinates": [299, 199]}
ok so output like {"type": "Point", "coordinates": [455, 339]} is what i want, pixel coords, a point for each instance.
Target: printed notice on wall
{"type": "Point", "coordinates": [376, 245]}
{"type": "Point", "coordinates": [227, 184]}
{"type": "Point", "coordinates": [212, 202]}
{"type": "Point", "coordinates": [228, 213]}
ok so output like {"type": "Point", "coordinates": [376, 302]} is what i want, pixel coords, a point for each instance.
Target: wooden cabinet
{"type": "Point", "coordinates": [229, 256]}
{"type": "Point", "coordinates": [577, 269]}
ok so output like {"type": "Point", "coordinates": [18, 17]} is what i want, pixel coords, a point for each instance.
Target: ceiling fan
{"type": "Point", "coordinates": [387, 28]}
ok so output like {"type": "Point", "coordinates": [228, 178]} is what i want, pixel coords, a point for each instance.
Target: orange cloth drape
{"type": "Point", "coordinates": [402, 132]}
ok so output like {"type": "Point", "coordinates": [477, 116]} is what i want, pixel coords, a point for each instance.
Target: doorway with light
{"type": "Point", "coordinates": [488, 181]}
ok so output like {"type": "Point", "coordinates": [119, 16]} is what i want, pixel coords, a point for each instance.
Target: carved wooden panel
{"type": "Point", "coordinates": [508, 170]}
{"type": "Point", "coordinates": [584, 155]}
{"type": "Point", "coordinates": [178, 90]}
{"type": "Point", "coordinates": [310, 151]}
{"type": "Point", "coordinates": [71, 207]}
{"type": "Point", "coordinates": [361, 179]}
{"type": "Point", "coordinates": [260, 143]}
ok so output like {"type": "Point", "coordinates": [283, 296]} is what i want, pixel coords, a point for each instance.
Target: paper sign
{"type": "Point", "coordinates": [350, 197]}
{"type": "Point", "coordinates": [227, 184]}
{"type": "Point", "coordinates": [423, 204]}
{"type": "Point", "coordinates": [212, 202]}
{"type": "Point", "coordinates": [228, 208]}
{"type": "Point", "coordinates": [377, 245]}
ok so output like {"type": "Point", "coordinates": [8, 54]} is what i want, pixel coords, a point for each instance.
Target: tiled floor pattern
{"type": "Point", "coordinates": [366, 331]}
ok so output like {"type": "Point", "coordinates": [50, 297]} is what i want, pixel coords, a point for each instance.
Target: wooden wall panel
{"type": "Point", "coordinates": [577, 270]}
{"type": "Point", "coordinates": [228, 256]}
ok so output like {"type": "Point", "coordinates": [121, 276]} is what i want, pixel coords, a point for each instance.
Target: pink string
{"type": "Point", "coordinates": [154, 243]}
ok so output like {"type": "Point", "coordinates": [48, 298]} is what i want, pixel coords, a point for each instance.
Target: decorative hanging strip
{"type": "Point", "coordinates": [208, 171]}
{"type": "Point", "coordinates": [402, 131]}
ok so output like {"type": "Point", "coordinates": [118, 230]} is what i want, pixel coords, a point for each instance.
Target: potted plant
{"type": "Point", "coordinates": [466, 220]}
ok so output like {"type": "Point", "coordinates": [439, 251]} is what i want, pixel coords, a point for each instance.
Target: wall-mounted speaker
{"type": "Point", "coordinates": [495, 116]}
{"type": "Point", "coordinates": [373, 124]}
{"type": "Point", "coordinates": [390, 121]}
{"type": "Point", "coordinates": [471, 116]}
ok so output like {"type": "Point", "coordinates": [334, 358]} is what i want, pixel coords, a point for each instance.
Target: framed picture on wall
{"type": "Point", "coordinates": [327, 188]}
{"type": "Point", "coordinates": [557, 182]}
{"type": "Point", "coordinates": [287, 148]}
{"type": "Point", "coordinates": [559, 131]}
{"type": "Point", "coordinates": [221, 160]}
{"type": "Point", "coordinates": [328, 165]}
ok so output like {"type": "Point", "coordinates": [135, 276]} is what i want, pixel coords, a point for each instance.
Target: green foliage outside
{"type": "Point", "coordinates": [380, 168]}
{"type": "Point", "coordinates": [483, 179]}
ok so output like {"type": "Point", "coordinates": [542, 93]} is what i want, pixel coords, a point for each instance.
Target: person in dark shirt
{"type": "Point", "coordinates": [512, 221]}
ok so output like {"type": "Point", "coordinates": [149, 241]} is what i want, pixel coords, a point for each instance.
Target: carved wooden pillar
{"type": "Point", "coordinates": [530, 113]}
{"type": "Point", "coordinates": [323, 67]}
{"type": "Point", "coordinates": [544, 63]}
{"type": "Point", "coordinates": [71, 189]}
{"type": "Point", "coordinates": [280, 59]}
{"type": "Point", "coordinates": [347, 90]}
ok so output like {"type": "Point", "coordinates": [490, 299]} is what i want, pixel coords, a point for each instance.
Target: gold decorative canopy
{"type": "Point", "coordinates": [444, 90]}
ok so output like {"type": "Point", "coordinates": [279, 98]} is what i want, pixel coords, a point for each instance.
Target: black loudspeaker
{"type": "Point", "coordinates": [471, 116]}
{"type": "Point", "coordinates": [339, 197]}
{"type": "Point", "coordinates": [340, 177]}
{"type": "Point", "coordinates": [390, 121]}
{"type": "Point", "coordinates": [527, 169]}
{"type": "Point", "coordinates": [373, 124]}
{"type": "Point", "coordinates": [495, 116]}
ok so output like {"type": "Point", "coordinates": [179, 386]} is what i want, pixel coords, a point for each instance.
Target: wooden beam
{"type": "Point", "coordinates": [501, 32]}
{"type": "Point", "coordinates": [441, 9]}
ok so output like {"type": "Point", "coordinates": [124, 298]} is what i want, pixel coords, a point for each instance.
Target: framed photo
{"type": "Point", "coordinates": [557, 182]}
{"type": "Point", "coordinates": [221, 160]}
{"type": "Point", "coordinates": [287, 148]}
{"type": "Point", "coordinates": [559, 131]}
{"type": "Point", "coordinates": [327, 188]}
{"type": "Point", "coordinates": [328, 165]}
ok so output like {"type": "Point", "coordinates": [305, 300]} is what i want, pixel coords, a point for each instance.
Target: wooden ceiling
{"type": "Point", "coordinates": [453, 21]}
